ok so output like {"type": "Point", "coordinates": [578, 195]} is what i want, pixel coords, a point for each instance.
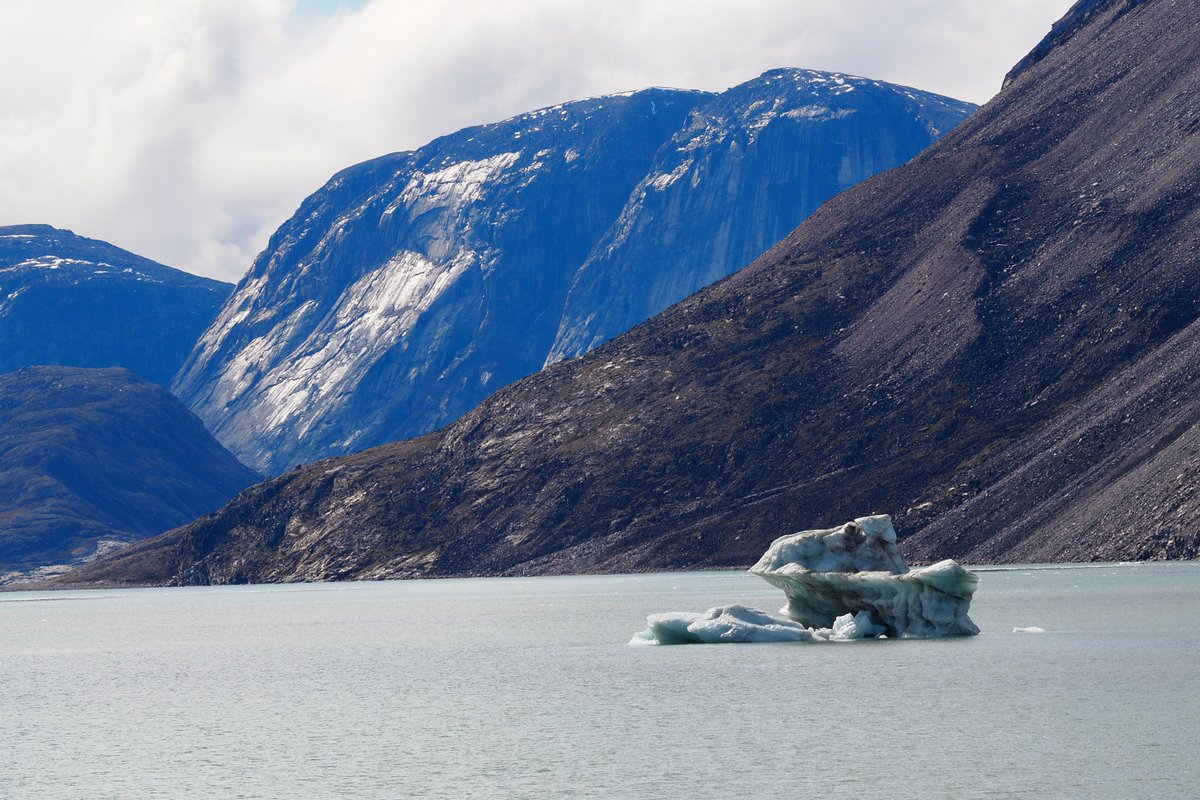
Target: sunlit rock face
{"type": "Point", "coordinates": [842, 583]}
{"type": "Point", "coordinates": [411, 287]}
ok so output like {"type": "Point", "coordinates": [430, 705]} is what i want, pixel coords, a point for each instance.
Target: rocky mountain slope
{"type": "Point", "coordinates": [413, 286]}
{"type": "Point", "coordinates": [997, 343]}
{"type": "Point", "coordinates": [79, 302]}
{"type": "Point", "coordinates": [91, 459]}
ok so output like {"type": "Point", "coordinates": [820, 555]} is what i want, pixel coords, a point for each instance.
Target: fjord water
{"type": "Point", "coordinates": [506, 688]}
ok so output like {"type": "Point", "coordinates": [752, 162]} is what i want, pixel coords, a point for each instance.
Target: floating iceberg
{"type": "Point", "coordinates": [841, 583]}
{"type": "Point", "coordinates": [743, 624]}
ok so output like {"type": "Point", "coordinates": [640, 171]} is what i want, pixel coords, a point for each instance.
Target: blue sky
{"type": "Point", "coordinates": [187, 131]}
{"type": "Point", "coordinates": [325, 8]}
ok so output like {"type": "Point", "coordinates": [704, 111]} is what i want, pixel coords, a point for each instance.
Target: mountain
{"type": "Point", "coordinates": [79, 302]}
{"type": "Point", "coordinates": [747, 168]}
{"type": "Point", "coordinates": [411, 287]}
{"type": "Point", "coordinates": [91, 459]}
{"type": "Point", "coordinates": [998, 343]}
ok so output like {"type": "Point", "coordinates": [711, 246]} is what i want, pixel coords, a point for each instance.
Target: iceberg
{"type": "Point", "coordinates": [745, 624]}
{"type": "Point", "coordinates": [844, 583]}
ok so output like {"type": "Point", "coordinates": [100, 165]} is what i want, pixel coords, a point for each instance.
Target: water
{"type": "Point", "coordinates": [515, 688]}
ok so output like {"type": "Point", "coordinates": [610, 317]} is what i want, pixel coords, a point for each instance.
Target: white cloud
{"type": "Point", "coordinates": [188, 131]}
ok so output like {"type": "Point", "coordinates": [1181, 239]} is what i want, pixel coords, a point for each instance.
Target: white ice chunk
{"type": "Point", "coordinates": [1030, 629]}
{"type": "Point", "coordinates": [841, 584]}
{"type": "Point", "coordinates": [856, 626]}
{"type": "Point", "coordinates": [865, 545]}
{"type": "Point", "coordinates": [857, 567]}
{"type": "Point", "coordinates": [724, 624]}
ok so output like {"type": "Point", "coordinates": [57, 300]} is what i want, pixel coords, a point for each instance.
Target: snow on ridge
{"type": "Point", "coordinates": [586, 105]}
{"type": "Point", "coordinates": [47, 262]}
{"type": "Point", "coordinates": [77, 267]}
{"type": "Point", "coordinates": [814, 79]}
{"type": "Point", "coordinates": [842, 82]}
{"type": "Point", "coordinates": [752, 112]}
{"type": "Point", "coordinates": [600, 98]}
{"type": "Point", "coordinates": [752, 108]}
{"type": "Point", "coordinates": [810, 76]}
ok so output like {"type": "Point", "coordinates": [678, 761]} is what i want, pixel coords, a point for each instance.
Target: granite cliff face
{"type": "Point", "coordinates": [79, 302]}
{"type": "Point", "coordinates": [411, 287]}
{"type": "Point", "coordinates": [747, 168]}
{"type": "Point", "coordinates": [92, 459]}
{"type": "Point", "coordinates": [998, 343]}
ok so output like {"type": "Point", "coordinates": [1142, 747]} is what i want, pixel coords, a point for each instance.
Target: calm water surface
{"type": "Point", "coordinates": [515, 688]}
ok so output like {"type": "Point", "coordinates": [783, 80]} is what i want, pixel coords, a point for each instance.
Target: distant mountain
{"type": "Point", "coordinates": [413, 286]}
{"type": "Point", "coordinates": [79, 302]}
{"type": "Point", "coordinates": [747, 168]}
{"type": "Point", "coordinates": [999, 343]}
{"type": "Point", "coordinates": [94, 458]}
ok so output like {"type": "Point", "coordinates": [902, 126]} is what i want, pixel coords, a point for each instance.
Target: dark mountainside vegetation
{"type": "Point", "coordinates": [996, 343]}
{"type": "Point", "coordinates": [94, 458]}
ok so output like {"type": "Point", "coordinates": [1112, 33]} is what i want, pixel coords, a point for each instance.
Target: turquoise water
{"type": "Point", "coordinates": [512, 688]}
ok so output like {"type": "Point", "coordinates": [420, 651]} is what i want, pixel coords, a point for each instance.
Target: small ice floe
{"type": "Point", "coordinates": [841, 584]}
{"type": "Point", "coordinates": [743, 624]}
{"type": "Point", "coordinates": [1030, 629]}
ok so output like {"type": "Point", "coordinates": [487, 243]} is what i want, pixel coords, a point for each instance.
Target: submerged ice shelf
{"type": "Point", "coordinates": [842, 583]}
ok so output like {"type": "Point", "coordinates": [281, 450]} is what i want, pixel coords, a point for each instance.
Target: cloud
{"type": "Point", "coordinates": [188, 131]}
